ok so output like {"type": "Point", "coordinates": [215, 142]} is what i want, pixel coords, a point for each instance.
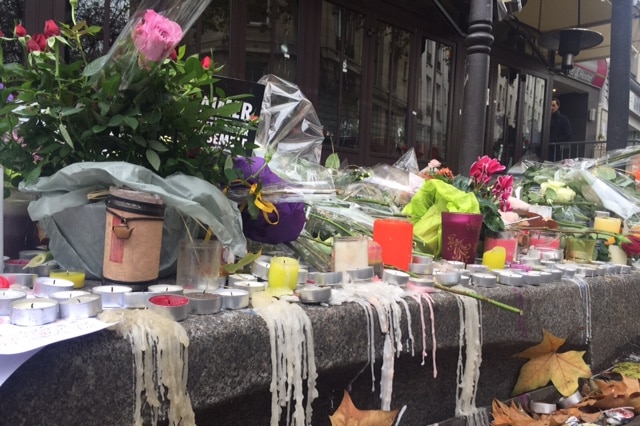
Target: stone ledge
{"type": "Point", "coordinates": [88, 380]}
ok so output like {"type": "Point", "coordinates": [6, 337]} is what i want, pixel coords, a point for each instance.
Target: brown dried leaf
{"type": "Point", "coordinates": [613, 391]}
{"type": "Point", "coordinates": [512, 415]}
{"type": "Point", "coordinates": [348, 415]}
{"type": "Point", "coordinates": [546, 365]}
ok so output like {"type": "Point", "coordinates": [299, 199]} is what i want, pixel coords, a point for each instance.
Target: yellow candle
{"type": "Point", "coordinates": [77, 277]}
{"type": "Point", "coordinates": [283, 273]}
{"type": "Point", "coordinates": [495, 258]}
{"type": "Point", "coordinates": [607, 224]}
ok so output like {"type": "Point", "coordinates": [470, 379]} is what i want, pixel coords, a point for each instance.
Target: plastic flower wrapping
{"type": "Point", "coordinates": [575, 189]}
{"type": "Point", "coordinates": [151, 35]}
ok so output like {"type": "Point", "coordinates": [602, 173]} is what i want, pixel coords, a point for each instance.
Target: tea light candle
{"type": "Point", "coordinates": [77, 277]}
{"type": "Point", "coordinates": [393, 277]}
{"type": "Point", "coordinates": [234, 298]}
{"type": "Point", "coordinates": [26, 280]}
{"type": "Point", "coordinates": [204, 303]}
{"type": "Point", "coordinates": [27, 312]}
{"type": "Point", "coordinates": [511, 278]}
{"type": "Point", "coordinates": [483, 279]}
{"type": "Point", "coordinates": [233, 278]}
{"type": "Point", "coordinates": [176, 306]}
{"type": "Point", "coordinates": [166, 289]}
{"type": "Point", "coordinates": [283, 273]}
{"type": "Point", "coordinates": [7, 297]}
{"type": "Point", "coordinates": [260, 267]}
{"type": "Point", "coordinates": [45, 286]}
{"type": "Point", "coordinates": [359, 275]}
{"type": "Point", "coordinates": [84, 306]}
{"type": "Point", "coordinates": [447, 278]}
{"type": "Point", "coordinates": [314, 294]}
{"type": "Point", "coordinates": [250, 286]}
{"type": "Point", "coordinates": [420, 284]}
{"type": "Point", "coordinates": [112, 295]}
{"type": "Point", "coordinates": [59, 296]}
{"type": "Point", "coordinates": [495, 258]}
{"type": "Point", "coordinates": [326, 278]}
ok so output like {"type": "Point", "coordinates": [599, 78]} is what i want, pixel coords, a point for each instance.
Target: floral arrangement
{"type": "Point", "coordinates": [146, 102]}
{"type": "Point", "coordinates": [491, 190]}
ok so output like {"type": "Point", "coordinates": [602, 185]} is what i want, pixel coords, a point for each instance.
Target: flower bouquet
{"type": "Point", "coordinates": [480, 192]}
{"type": "Point", "coordinates": [145, 116]}
{"type": "Point", "coordinates": [146, 102]}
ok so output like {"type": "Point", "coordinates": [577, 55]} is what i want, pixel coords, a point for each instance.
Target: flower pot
{"type": "Point", "coordinates": [132, 238]}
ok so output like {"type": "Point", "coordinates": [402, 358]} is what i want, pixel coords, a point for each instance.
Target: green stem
{"type": "Point", "coordinates": [480, 297]}
{"type": "Point", "coordinates": [467, 293]}
{"type": "Point", "coordinates": [340, 227]}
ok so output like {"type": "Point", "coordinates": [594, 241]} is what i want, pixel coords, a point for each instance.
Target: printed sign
{"type": "Point", "coordinates": [251, 105]}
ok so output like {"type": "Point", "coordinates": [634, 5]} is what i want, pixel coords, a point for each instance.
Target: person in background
{"type": "Point", "coordinates": [559, 131]}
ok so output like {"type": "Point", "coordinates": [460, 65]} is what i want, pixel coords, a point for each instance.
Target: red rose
{"type": "Point", "coordinates": [19, 31]}
{"type": "Point", "coordinates": [1, 33]}
{"type": "Point", "coordinates": [41, 40]}
{"type": "Point", "coordinates": [173, 55]}
{"type": "Point", "coordinates": [32, 46]}
{"type": "Point", "coordinates": [51, 29]}
{"type": "Point", "coordinates": [206, 62]}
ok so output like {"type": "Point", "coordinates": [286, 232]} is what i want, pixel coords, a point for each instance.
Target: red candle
{"type": "Point", "coordinates": [169, 300]}
{"type": "Point", "coordinates": [395, 237]}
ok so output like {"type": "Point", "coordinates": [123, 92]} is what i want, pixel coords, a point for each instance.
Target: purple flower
{"type": "Point", "coordinates": [10, 97]}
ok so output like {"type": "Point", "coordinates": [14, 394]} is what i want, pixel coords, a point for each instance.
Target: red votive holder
{"type": "Point", "coordinates": [460, 236]}
{"type": "Point", "coordinates": [395, 237]}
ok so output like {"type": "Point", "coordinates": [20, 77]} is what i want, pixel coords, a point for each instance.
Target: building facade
{"type": "Point", "coordinates": [385, 76]}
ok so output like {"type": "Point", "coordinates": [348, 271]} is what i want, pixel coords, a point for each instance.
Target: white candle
{"type": "Point", "coordinates": [112, 295]}
{"type": "Point", "coordinates": [250, 286]}
{"type": "Point", "coordinates": [60, 296]}
{"type": "Point", "coordinates": [83, 306]}
{"type": "Point", "coordinates": [166, 288]}
{"type": "Point", "coordinates": [45, 286]}
{"type": "Point", "coordinates": [7, 297]}
{"type": "Point", "coordinates": [234, 298]}
{"type": "Point", "coordinates": [28, 312]}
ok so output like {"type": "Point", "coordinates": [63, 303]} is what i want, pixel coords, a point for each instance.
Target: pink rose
{"type": "Point", "coordinates": [156, 36]}
{"type": "Point", "coordinates": [206, 62]}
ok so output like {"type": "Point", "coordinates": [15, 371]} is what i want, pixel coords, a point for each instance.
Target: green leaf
{"type": "Point", "coordinates": [131, 122]}
{"type": "Point", "coordinates": [116, 121]}
{"type": "Point", "coordinates": [332, 161]}
{"type": "Point", "coordinates": [158, 146]}
{"type": "Point", "coordinates": [65, 135]}
{"type": "Point", "coordinates": [153, 158]}
{"type": "Point", "coordinates": [95, 66]}
{"type": "Point", "coordinates": [232, 268]}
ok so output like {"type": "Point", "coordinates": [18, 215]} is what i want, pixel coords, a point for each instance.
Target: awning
{"type": "Point", "coordinates": [545, 16]}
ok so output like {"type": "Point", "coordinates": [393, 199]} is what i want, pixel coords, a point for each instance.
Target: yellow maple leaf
{"type": "Point", "coordinates": [547, 365]}
{"type": "Point", "coordinates": [348, 415]}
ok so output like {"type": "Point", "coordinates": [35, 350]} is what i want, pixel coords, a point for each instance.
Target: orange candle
{"type": "Point", "coordinates": [395, 237]}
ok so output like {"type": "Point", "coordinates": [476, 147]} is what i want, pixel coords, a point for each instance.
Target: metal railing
{"type": "Point", "coordinates": [578, 149]}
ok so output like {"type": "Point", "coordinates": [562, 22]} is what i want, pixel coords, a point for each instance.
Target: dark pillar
{"type": "Point", "coordinates": [474, 107]}
{"type": "Point", "coordinates": [37, 12]}
{"type": "Point", "coordinates": [619, 74]}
